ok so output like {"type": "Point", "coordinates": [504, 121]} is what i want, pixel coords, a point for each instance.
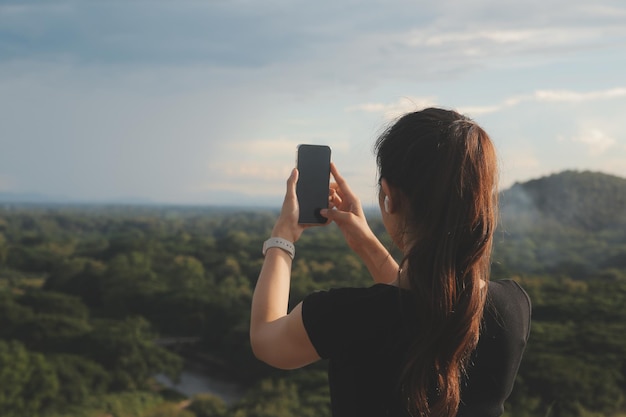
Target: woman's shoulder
{"type": "Point", "coordinates": [338, 318]}
{"type": "Point", "coordinates": [374, 304]}
{"type": "Point", "coordinates": [510, 305]}
{"type": "Point", "coordinates": [508, 290]}
{"type": "Point", "coordinates": [354, 296]}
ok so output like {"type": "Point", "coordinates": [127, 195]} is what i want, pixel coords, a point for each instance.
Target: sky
{"type": "Point", "coordinates": [204, 102]}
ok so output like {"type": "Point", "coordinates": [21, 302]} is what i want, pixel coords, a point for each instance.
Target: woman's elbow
{"type": "Point", "coordinates": [261, 348]}
{"type": "Point", "coordinates": [267, 351]}
{"type": "Point", "coordinates": [258, 348]}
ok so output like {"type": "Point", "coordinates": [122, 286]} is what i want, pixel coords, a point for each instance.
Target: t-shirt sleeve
{"type": "Point", "coordinates": [338, 318]}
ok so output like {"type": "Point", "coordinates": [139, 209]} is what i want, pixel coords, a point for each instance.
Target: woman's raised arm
{"type": "Point", "coordinates": [278, 337]}
{"type": "Point", "coordinates": [346, 211]}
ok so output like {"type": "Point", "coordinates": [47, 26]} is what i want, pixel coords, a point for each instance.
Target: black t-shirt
{"type": "Point", "coordinates": [363, 333]}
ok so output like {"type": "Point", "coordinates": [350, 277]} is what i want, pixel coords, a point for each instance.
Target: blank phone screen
{"type": "Point", "coordinates": [313, 182]}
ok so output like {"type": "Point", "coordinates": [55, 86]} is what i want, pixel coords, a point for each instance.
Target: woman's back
{"type": "Point", "coordinates": [366, 333]}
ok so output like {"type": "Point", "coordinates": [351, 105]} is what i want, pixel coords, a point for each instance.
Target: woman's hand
{"type": "Point", "coordinates": [346, 211]}
{"type": "Point", "coordinates": [287, 225]}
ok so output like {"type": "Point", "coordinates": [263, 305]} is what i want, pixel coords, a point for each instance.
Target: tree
{"type": "Point", "coordinates": [127, 350]}
{"type": "Point", "coordinates": [80, 277]}
{"type": "Point", "coordinates": [79, 378]}
{"type": "Point", "coordinates": [128, 276]}
{"type": "Point", "coordinates": [168, 410]}
{"type": "Point", "coordinates": [27, 382]}
{"type": "Point", "coordinates": [50, 332]}
{"type": "Point", "coordinates": [272, 398]}
{"type": "Point", "coordinates": [208, 405]}
{"type": "Point", "coordinates": [187, 273]}
{"type": "Point", "coordinates": [48, 302]}
{"type": "Point", "coordinates": [3, 248]}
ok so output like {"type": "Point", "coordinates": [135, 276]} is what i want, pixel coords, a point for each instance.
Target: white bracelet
{"type": "Point", "coordinates": [279, 242]}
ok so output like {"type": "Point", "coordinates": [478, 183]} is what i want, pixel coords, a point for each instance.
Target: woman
{"type": "Point", "coordinates": [432, 337]}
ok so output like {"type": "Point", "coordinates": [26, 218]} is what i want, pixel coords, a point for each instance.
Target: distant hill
{"type": "Point", "coordinates": [586, 201]}
{"type": "Point", "coordinates": [54, 200]}
{"type": "Point", "coordinates": [9, 197]}
{"type": "Point", "coordinates": [571, 223]}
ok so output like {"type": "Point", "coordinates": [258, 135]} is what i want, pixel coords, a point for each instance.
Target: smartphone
{"type": "Point", "coordinates": [313, 163]}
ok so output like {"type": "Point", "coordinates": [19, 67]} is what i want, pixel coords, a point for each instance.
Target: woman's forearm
{"type": "Point", "coordinates": [379, 262]}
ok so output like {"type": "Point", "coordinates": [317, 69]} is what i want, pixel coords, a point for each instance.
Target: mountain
{"type": "Point", "coordinates": [45, 199]}
{"type": "Point", "coordinates": [571, 223]}
{"type": "Point", "coordinates": [220, 198]}
{"type": "Point", "coordinates": [586, 201]}
{"type": "Point", "coordinates": [30, 198]}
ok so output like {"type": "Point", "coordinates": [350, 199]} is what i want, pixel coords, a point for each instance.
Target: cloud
{"type": "Point", "coordinates": [596, 141]}
{"type": "Point", "coordinates": [151, 93]}
{"type": "Point", "coordinates": [548, 96]}
{"type": "Point", "coordinates": [253, 36]}
{"type": "Point", "coordinates": [392, 111]}
{"type": "Point", "coordinates": [603, 11]}
{"type": "Point", "coordinates": [565, 96]}
{"type": "Point", "coordinates": [263, 148]}
{"type": "Point", "coordinates": [253, 178]}
{"type": "Point", "coordinates": [256, 166]}
{"type": "Point", "coordinates": [521, 38]}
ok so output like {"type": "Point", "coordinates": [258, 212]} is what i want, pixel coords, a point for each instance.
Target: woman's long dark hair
{"type": "Point", "coordinates": [444, 168]}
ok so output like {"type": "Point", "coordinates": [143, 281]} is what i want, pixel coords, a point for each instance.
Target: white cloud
{"type": "Point", "coordinates": [254, 173]}
{"type": "Point", "coordinates": [494, 40]}
{"type": "Point", "coordinates": [474, 111]}
{"type": "Point", "coordinates": [604, 11]}
{"type": "Point", "coordinates": [497, 36]}
{"type": "Point", "coordinates": [565, 96]}
{"type": "Point", "coordinates": [391, 111]}
{"type": "Point", "coordinates": [596, 141]}
{"type": "Point", "coordinates": [548, 96]}
{"type": "Point", "coordinates": [263, 148]}
{"type": "Point", "coordinates": [257, 166]}
{"type": "Point", "coordinates": [251, 178]}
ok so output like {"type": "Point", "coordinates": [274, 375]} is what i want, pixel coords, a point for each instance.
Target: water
{"type": "Point", "coordinates": [194, 381]}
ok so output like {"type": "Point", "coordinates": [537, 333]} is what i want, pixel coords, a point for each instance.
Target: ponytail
{"type": "Point", "coordinates": [445, 167]}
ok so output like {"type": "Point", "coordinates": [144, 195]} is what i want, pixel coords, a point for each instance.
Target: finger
{"type": "Point", "coordinates": [341, 182]}
{"type": "Point", "coordinates": [335, 202]}
{"type": "Point", "coordinates": [343, 187]}
{"type": "Point", "coordinates": [337, 216]}
{"type": "Point", "coordinates": [334, 187]}
{"type": "Point", "coordinates": [345, 192]}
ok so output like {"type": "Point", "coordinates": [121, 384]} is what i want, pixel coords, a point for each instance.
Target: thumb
{"type": "Point", "coordinates": [336, 215]}
{"type": "Point", "coordinates": [291, 185]}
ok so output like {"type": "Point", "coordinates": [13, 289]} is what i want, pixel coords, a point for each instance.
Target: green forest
{"type": "Point", "coordinates": [89, 295]}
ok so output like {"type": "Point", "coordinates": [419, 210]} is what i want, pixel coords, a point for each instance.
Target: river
{"type": "Point", "coordinates": [195, 381]}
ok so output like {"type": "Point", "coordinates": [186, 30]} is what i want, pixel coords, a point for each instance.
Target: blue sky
{"type": "Point", "coordinates": [204, 102]}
